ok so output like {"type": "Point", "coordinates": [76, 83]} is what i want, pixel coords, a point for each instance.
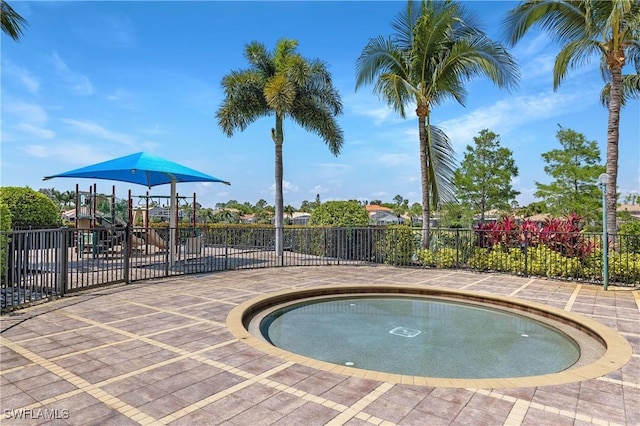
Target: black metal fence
{"type": "Point", "coordinates": [38, 265]}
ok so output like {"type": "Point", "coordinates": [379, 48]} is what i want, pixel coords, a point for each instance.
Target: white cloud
{"type": "Point", "coordinates": [508, 114]}
{"type": "Point", "coordinates": [39, 151]}
{"type": "Point", "coordinates": [117, 95]}
{"type": "Point", "coordinates": [371, 106]}
{"type": "Point", "coordinates": [537, 67]}
{"type": "Point", "coordinates": [395, 160]}
{"type": "Point", "coordinates": [35, 131]}
{"type": "Point", "coordinates": [319, 189]}
{"type": "Point", "coordinates": [95, 129]}
{"type": "Point", "coordinates": [22, 75]}
{"type": "Point", "coordinates": [59, 153]}
{"type": "Point", "coordinates": [532, 46]}
{"type": "Point", "coordinates": [286, 187]}
{"type": "Point", "coordinates": [78, 82]}
{"type": "Point", "coordinates": [25, 112]}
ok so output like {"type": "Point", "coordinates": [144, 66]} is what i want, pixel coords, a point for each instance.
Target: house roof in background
{"type": "Point", "coordinates": [376, 208]}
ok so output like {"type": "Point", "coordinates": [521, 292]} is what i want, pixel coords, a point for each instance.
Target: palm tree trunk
{"type": "Point", "coordinates": [424, 175]}
{"type": "Point", "coordinates": [278, 139]}
{"type": "Point", "coordinates": [613, 135]}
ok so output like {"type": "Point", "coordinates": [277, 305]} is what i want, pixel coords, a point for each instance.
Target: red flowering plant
{"type": "Point", "coordinates": [565, 236]}
{"type": "Point", "coordinates": [562, 235]}
{"type": "Point", "coordinates": [504, 233]}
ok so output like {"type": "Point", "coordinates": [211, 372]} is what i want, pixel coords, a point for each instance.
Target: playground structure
{"type": "Point", "coordinates": [102, 224]}
{"type": "Point", "coordinates": [99, 228]}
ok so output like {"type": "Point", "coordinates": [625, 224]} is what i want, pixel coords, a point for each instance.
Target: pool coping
{"type": "Point", "coordinates": [617, 350]}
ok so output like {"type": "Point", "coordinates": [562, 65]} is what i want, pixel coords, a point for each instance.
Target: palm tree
{"type": "Point", "coordinates": [12, 22]}
{"type": "Point", "coordinates": [585, 28]}
{"type": "Point", "coordinates": [436, 48]}
{"type": "Point", "coordinates": [287, 85]}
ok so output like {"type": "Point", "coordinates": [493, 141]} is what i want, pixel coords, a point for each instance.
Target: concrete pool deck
{"type": "Point", "coordinates": [159, 352]}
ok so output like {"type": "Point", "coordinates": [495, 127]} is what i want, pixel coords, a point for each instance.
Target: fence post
{"type": "Point", "coordinates": [395, 246]}
{"type": "Point", "coordinates": [63, 259]}
{"type": "Point", "coordinates": [282, 248]}
{"type": "Point", "coordinates": [458, 247]}
{"type": "Point", "coordinates": [526, 253]}
{"type": "Point", "coordinates": [226, 247]}
{"type": "Point", "coordinates": [127, 250]}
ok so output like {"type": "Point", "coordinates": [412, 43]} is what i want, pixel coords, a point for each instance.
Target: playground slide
{"type": "Point", "coordinates": [154, 239]}
{"type": "Point", "coordinates": [136, 241]}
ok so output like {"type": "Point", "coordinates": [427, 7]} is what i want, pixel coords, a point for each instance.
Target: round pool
{"type": "Point", "coordinates": [429, 336]}
{"type": "Point", "coordinates": [420, 337]}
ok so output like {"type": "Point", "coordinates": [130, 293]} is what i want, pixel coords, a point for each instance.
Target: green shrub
{"type": "Point", "coordinates": [546, 262]}
{"type": "Point", "coordinates": [29, 208]}
{"type": "Point", "coordinates": [541, 261]}
{"type": "Point", "coordinates": [5, 226]}
{"type": "Point", "coordinates": [396, 246]}
{"type": "Point", "coordinates": [339, 213]}
{"type": "Point", "coordinates": [425, 257]}
{"type": "Point", "coordinates": [444, 258]}
{"type": "Point", "coordinates": [498, 259]}
{"type": "Point", "coordinates": [624, 267]}
{"type": "Point", "coordinates": [630, 237]}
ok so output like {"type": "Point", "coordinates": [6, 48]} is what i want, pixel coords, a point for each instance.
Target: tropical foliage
{"type": "Point", "coordinates": [562, 235]}
{"type": "Point", "coordinates": [12, 22]}
{"type": "Point", "coordinates": [574, 171]}
{"type": "Point", "coordinates": [607, 30]}
{"type": "Point", "coordinates": [339, 213]}
{"type": "Point", "coordinates": [5, 226]}
{"type": "Point", "coordinates": [436, 47]}
{"type": "Point", "coordinates": [483, 180]}
{"type": "Point", "coordinates": [29, 208]}
{"type": "Point", "coordinates": [284, 84]}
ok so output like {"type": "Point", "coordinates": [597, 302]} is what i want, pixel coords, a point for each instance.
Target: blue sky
{"type": "Point", "coordinates": [91, 81]}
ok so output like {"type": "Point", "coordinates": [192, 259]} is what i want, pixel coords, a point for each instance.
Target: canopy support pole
{"type": "Point", "coordinates": [173, 224]}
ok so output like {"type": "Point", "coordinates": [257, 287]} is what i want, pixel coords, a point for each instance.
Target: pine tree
{"type": "Point", "coordinates": [483, 180]}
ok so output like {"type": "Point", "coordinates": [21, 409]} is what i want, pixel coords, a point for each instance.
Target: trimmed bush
{"type": "Point", "coordinates": [397, 246]}
{"type": "Point", "coordinates": [443, 258]}
{"type": "Point", "coordinates": [29, 208]}
{"type": "Point", "coordinates": [5, 226]}
{"type": "Point", "coordinates": [339, 213]}
{"type": "Point", "coordinates": [629, 235]}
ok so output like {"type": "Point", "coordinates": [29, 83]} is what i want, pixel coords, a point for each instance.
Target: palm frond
{"type": "Point", "coordinates": [315, 117]}
{"type": "Point", "coordinates": [12, 22]}
{"type": "Point", "coordinates": [630, 90]}
{"type": "Point", "coordinates": [442, 166]}
{"type": "Point", "coordinates": [403, 25]}
{"type": "Point", "coordinates": [572, 55]}
{"type": "Point", "coordinates": [316, 82]}
{"type": "Point", "coordinates": [379, 56]}
{"type": "Point", "coordinates": [562, 19]}
{"type": "Point", "coordinates": [244, 102]}
{"type": "Point", "coordinates": [259, 58]}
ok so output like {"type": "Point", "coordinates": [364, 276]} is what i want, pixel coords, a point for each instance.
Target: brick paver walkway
{"type": "Point", "coordinates": [158, 352]}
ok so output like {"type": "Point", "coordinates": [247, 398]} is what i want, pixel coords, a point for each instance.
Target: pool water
{"type": "Point", "coordinates": [421, 337]}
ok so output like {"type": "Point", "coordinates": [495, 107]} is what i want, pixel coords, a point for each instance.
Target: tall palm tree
{"type": "Point", "coordinates": [284, 84]}
{"type": "Point", "coordinates": [12, 22]}
{"type": "Point", "coordinates": [607, 29]}
{"type": "Point", "coordinates": [437, 46]}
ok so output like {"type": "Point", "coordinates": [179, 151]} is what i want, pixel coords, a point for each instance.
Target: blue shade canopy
{"type": "Point", "coordinates": [141, 168]}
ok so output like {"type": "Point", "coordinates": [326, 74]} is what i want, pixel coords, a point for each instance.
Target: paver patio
{"type": "Point", "coordinates": [158, 352]}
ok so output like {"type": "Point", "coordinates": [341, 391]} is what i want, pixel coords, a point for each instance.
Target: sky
{"type": "Point", "coordinates": [92, 81]}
